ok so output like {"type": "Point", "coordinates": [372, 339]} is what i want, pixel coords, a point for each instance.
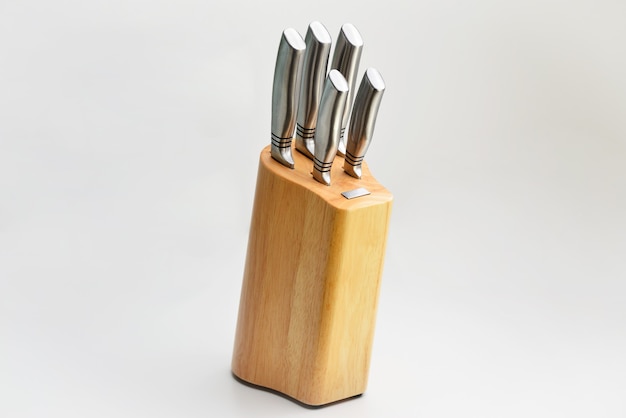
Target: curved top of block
{"type": "Point", "coordinates": [340, 181]}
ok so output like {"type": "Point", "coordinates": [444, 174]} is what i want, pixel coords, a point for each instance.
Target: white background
{"type": "Point", "coordinates": [129, 139]}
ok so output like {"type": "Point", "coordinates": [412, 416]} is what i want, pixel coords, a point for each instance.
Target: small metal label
{"type": "Point", "coordinates": [352, 194]}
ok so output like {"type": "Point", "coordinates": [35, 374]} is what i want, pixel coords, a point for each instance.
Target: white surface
{"type": "Point", "coordinates": [123, 230]}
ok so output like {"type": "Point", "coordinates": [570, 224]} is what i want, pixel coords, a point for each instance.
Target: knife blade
{"type": "Point", "coordinates": [346, 60]}
{"type": "Point", "coordinates": [285, 93]}
{"type": "Point", "coordinates": [318, 42]}
{"type": "Point", "coordinates": [363, 120]}
{"type": "Point", "coordinates": [328, 130]}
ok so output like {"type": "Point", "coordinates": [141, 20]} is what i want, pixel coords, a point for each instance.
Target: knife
{"type": "Point", "coordinates": [362, 121]}
{"type": "Point", "coordinates": [285, 94]}
{"type": "Point", "coordinates": [318, 43]}
{"type": "Point", "coordinates": [328, 130]}
{"type": "Point", "coordinates": [346, 59]}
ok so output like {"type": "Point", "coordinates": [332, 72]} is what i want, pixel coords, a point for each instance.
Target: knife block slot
{"type": "Point", "coordinates": [311, 281]}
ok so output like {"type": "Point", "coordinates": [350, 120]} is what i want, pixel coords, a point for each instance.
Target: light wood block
{"type": "Point", "coordinates": [311, 282]}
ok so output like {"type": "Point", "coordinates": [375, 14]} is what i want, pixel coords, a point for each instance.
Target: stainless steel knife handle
{"type": "Point", "coordinates": [328, 128]}
{"type": "Point", "coordinates": [285, 94]}
{"type": "Point", "coordinates": [346, 59]}
{"type": "Point", "coordinates": [318, 42]}
{"type": "Point", "coordinates": [363, 120]}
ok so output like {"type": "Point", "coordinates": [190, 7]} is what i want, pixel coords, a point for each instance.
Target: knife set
{"type": "Point", "coordinates": [319, 227]}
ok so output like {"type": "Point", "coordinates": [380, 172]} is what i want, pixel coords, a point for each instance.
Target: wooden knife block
{"type": "Point", "coordinates": [311, 282]}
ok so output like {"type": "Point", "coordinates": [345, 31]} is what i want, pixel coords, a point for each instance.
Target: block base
{"type": "Point", "coordinates": [311, 282]}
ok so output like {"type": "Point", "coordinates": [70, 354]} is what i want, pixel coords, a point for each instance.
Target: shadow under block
{"type": "Point", "coordinates": [311, 282]}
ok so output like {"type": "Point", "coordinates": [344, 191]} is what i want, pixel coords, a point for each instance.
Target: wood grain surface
{"type": "Point", "coordinates": [311, 281]}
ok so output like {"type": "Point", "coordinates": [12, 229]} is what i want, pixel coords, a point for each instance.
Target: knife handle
{"type": "Point", "coordinates": [285, 92]}
{"type": "Point", "coordinates": [346, 60]}
{"type": "Point", "coordinates": [328, 128]}
{"type": "Point", "coordinates": [363, 120]}
{"type": "Point", "coordinates": [318, 42]}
